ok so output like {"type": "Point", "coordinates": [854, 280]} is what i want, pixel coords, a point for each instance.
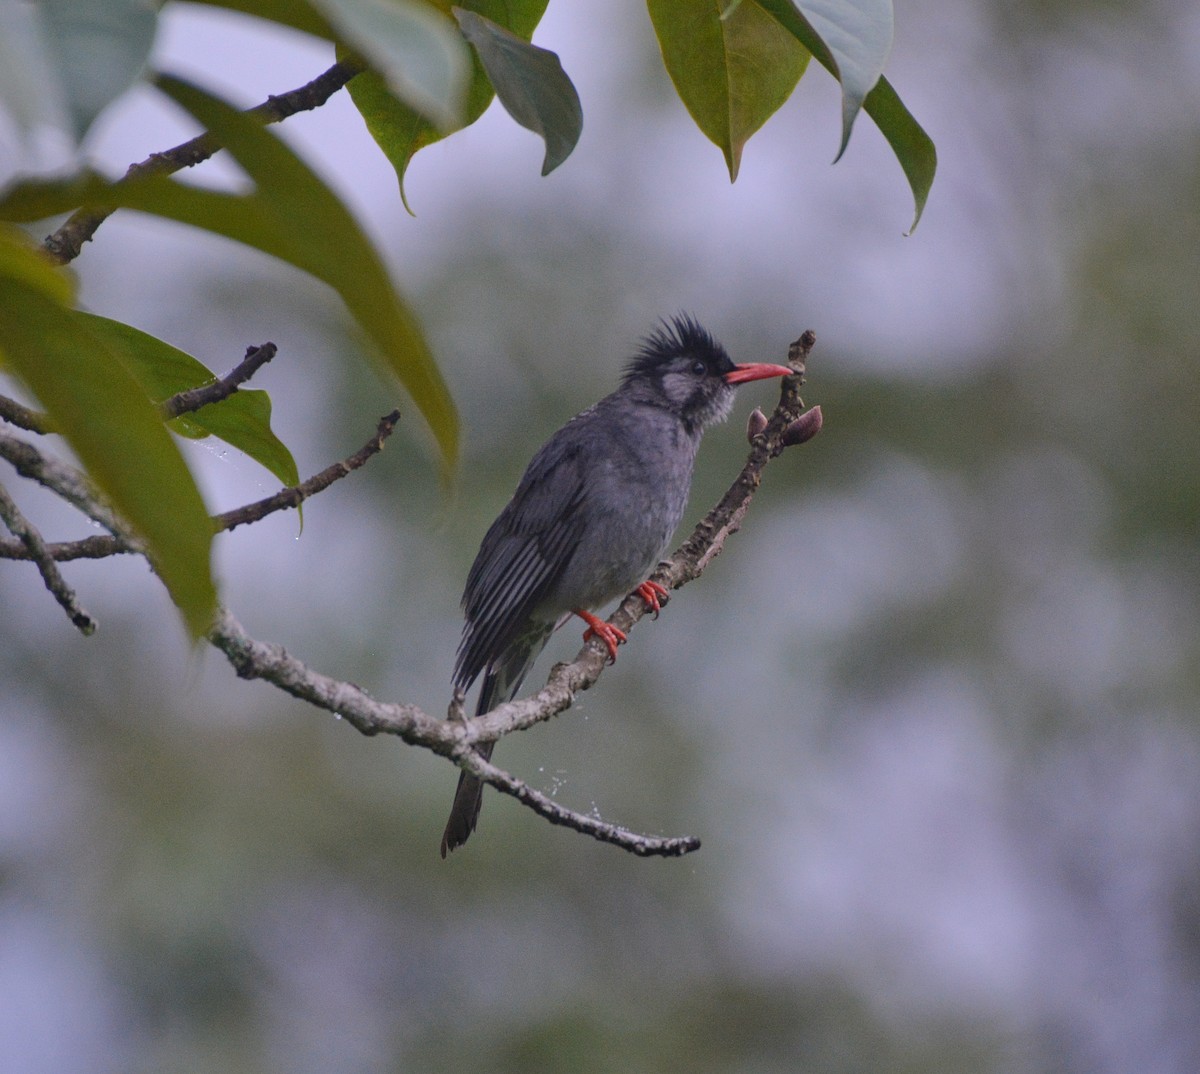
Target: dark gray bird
{"type": "Point", "coordinates": [592, 515]}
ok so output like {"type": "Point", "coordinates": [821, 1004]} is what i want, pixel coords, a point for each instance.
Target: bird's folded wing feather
{"type": "Point", "coordinates": [523, 555]}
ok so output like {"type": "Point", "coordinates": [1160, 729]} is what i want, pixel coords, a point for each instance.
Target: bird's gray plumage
{"type": "Point", "coordinates": [593, 513]}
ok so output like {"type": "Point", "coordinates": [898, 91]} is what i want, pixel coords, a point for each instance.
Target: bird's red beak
{"type": "Point", "coordinates": [739, 374]}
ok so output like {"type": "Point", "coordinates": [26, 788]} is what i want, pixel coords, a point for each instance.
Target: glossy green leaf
{"type": "Point", "coordinates": [23, 260]}
{"type": "Point", "coordinates": [291, 215]}
{"type": "Point", "coordinates": [410, 44]}
{"type": "Point", "coordinates": [851, 39]}
{"type": "Point", "coordinates": [243, 420]}
{"type": "Point", "coordinates": [913, 147]}
{"type": "Point", "coordinates": [31, 92]}
{"type": "Point", "coordinates": [732, 70]}
{"type": "Point", "coordinates": [298, 14]}
{"type": "Point", "coordinates": [399, 130]}
{"type": "Point", "coordinates": [530, 83]}
{"type": "Point", "coordinates": [301, 220]}
{"type": "Point", "coordinates": [413, 46]}
{"type": "Point", "coordinates": [116, 432]}
{"type": "Point", "coordinates": [98, 48]}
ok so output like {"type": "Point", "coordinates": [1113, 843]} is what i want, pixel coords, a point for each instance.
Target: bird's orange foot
{"type": "Point", "coordinates": [652, 593]}
{"type": "Point", "coordinates": [606, 632]}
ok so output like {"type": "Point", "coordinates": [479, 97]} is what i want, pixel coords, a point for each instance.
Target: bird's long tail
{"type": "Point", "coordinates": [501, 682]}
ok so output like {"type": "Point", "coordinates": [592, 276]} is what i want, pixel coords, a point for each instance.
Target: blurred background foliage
{"type": "Point", "coordinates": [933, 712]}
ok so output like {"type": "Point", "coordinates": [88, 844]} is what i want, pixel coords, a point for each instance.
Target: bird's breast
{"type": "Point", "coordinates": [636, 492]}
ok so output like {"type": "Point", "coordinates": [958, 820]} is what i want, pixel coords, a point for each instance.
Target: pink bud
{"type": "Point", "coordinates": [804, 427]}
{"type": "Point", "coordinates": [755, 424]}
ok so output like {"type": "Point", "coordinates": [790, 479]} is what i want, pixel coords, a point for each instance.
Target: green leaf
{"type": "Point", "coordinates": [116, 432]}
{"type": "Point", "coordinates": [530, 83]}
{"type": "Point", "coordinates": [399, 130]}
{"type": "Point", "coordinates": [99, 49]}
{"type": "Point", "coordinates": [22, 260]}
{"type": "Point", "coordinates": [298, 14]}
{"type": "Point", "coordinates": [413, 46]}
{"type": "Point", "coordinates": [732, 71]}
{"type": "Point", "coordinates": [913, 147]}
{"type": "Point", "coordinates": [851, 39]}
{"type": "Point", "coordinates": [243, 420]}
{"type": "Point", "coordinates": [291, 215]}
{"type": "Point", "coordinates": [300, 220]}
{"type": "Point", "coordinates": [30, 89]}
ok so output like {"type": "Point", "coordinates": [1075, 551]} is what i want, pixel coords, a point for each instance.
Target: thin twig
{"type": "Point", "coordinates": [187, 402]}
{"type": "Point", "coordinates": [295, 495]}
{"type": "Point", "coordinates": [65, 481]}
{"type": "Point", "coordinates": [27, 534]}
{"type": "Point", "coordinates": [644, 846]}
{"type": "Point", "coordinates": [99, 546]}
{"type": "Point", "coordinates": [14, 413]}
{"type": "Point", "coordinates": [67, 242]}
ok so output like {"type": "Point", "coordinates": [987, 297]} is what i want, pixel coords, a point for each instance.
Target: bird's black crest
{"type": "Point", "coordinates": [681, 335]}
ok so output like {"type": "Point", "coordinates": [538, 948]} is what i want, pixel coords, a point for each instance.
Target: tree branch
{"type": "Point", "coordinates": [65, 244]}
{"type": "Point", "coordinates": [295, 495]}
{"type": "Point", "coordinates": [22, 417]}
{"type": "Point", "coordinates": [185, 402]}
{"type": "Point", "coordinates": [456, 738]}
{"type": "Point", "coordinates": [63, 480]}
{"type": "Point", "coordinates": [98, 546]}
{"type": "Point", "coordinates": [28, 535]}
{"type": "Point", "coordinates": [253, 659]}
{"type": "Point", "coordinates": [193, 399]}
{"type": "Point", "coordinates": [644, 846]}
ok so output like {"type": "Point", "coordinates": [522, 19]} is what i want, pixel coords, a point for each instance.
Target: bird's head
{"type": "Point", "coordinates": [681, 366]}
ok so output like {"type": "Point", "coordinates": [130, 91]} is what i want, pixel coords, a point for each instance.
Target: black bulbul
{"type": "Point", "coordinates": [592, 515]}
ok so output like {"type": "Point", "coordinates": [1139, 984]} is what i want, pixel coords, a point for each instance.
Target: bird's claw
{"type": "Point", "coordinates": [652, 593]}
{"type": "Point", "coordinates": [609, 634]}
{"type": "Point", "coordinates": [597, 628]}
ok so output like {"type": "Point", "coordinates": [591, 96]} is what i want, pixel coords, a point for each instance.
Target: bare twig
{"type": "Point", "coordinates": [28, 535]}
{"type": "Point", "coordinates": [98, 546]}
{"type": "Point", "coordinates": [194, 398]}
{"type": "Point", "coordinates": [185, 402]}
{"type": "Point", "coordinates": [67, 482]}
{"type": "Point", "coordinates": [295, 495]}
{"type": "Point", "coordinates": [67, 242]}
{"type": "Point", "coordinates": [644, 846]}
{"type": "Point", "coordinates": [21, 416]}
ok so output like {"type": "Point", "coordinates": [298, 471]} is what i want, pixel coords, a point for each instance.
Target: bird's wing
{"type": "Point", "coordinates": [523, 554]}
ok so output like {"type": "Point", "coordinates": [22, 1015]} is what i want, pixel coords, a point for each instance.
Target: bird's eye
{"type": "Point", "coordinates": [699, 368]}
